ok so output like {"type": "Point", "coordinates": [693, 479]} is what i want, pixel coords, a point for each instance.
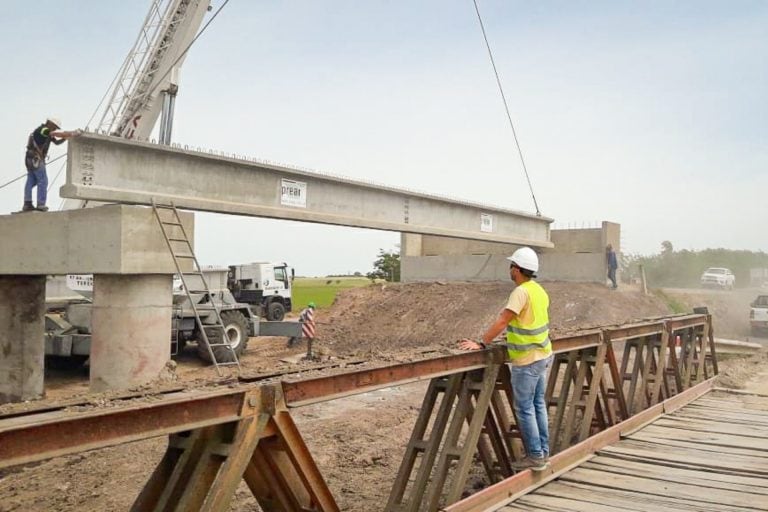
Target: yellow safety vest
{"type": "Point", "coordinates": [534, 336]}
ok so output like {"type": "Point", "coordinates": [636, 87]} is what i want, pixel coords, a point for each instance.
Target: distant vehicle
{"type": "Point", "coordinates": [758, 315]}
{"type": "Point", "coordinates": [718, 277]}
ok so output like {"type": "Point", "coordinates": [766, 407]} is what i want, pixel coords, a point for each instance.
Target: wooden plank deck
{"type": "Point", "coordinates": [711, 455]}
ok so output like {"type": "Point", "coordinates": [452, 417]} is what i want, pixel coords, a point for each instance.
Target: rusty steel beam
{"type": "Point", "coordinates": [579, 341]}
{"type": "Point", "coordinates": [502, 493]}
{"type": "Point", "coordinates": [320, 389]}
{"type": "Point", "coordinates": [42, 436]}
{"type": "Point", "coordinates": [684, 322]}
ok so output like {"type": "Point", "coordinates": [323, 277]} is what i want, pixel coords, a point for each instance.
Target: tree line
{"type": "Point", "coordinates": [671, 268]}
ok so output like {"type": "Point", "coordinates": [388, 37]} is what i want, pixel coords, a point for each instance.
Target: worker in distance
{"type": "Point", "coordinates": [526, 320]}
{"type": "Point", "coordinates": [38, 143]}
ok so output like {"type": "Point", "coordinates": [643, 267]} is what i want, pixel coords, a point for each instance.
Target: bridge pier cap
{"type": "Point", "coordinates": [111, 239]}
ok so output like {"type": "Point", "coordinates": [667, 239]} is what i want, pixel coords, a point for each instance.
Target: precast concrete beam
{"type": "Point", "coordinates": [22, 330]}
{"type": "Point", "coordinates": [112, 239]}
{"type": "Point", "coordinates": [131, 323]}
{"type": "Point", "coordinates": [111, 169]}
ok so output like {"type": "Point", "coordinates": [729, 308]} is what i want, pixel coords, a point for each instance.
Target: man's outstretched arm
{"type": "Point", "coordinates": [493, 331]}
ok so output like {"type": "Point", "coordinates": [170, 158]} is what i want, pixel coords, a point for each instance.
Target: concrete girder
{"type": "Point", "coordinates": [110, 169]}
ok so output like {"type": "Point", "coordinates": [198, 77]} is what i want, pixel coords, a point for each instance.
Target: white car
{"type": "Point", "coordinates": [718, 277]}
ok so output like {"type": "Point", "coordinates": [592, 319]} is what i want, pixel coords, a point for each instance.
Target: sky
{"type": "Point", "coordinates": [651, 114]}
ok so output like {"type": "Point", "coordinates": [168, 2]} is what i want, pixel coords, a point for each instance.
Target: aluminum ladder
{"type": "Point", "coordinates": [174, 233]}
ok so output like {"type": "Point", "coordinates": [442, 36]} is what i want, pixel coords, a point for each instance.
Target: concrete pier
{"type": "Point", "coordinates": [124, 247]}
{"type": "Point", "coordinates": [22, 327]}
{"type": "Point", "coordinates": [131, 323]}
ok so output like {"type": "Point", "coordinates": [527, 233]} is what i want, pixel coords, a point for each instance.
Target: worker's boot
{"type": "Point", "coordinates": [532, 463]}
{"type": "Point", "coordinates": [42, 208]}
{"type": "Point", "coordinates": [28, 206]}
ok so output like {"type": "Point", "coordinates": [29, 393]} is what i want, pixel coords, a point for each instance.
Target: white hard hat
{"type": "Point", "coordinates": [54, 120]}
{"type": "Point", "coordinates": [525, 258]}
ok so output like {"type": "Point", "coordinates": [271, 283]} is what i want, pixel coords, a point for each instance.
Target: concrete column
{"type": "Point", "coordinates": [22, 344]}
{"type": "Point", "coordinates": [131, 323]}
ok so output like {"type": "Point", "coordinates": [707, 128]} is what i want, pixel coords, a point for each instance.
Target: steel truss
{"type": "Point", "coordinates": [222, 436]}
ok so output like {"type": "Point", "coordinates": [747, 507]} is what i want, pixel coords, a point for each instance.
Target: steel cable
{"type": "Point", "coordinates": [14, 180]}
{"type": "Point", "coordinates": [506, 107]}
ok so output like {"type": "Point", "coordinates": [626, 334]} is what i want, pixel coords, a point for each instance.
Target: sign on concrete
{"type": "Point", "coordinates": [293, 193]}
{"type": "Point", "coordinates": [486, 223]}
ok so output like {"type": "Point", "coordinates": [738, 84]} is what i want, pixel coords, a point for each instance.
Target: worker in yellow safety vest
{"type": "Point", "coordinates": [526, 320]}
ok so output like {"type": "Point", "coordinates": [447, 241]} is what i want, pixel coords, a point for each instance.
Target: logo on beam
{"type": "Point", "coordinates": [486, 223]}
{"type": "Point", "coordinates": [293, 193]}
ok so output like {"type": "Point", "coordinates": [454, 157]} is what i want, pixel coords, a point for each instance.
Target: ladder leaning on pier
{"type": "Point", "coordinates": [213, 335]}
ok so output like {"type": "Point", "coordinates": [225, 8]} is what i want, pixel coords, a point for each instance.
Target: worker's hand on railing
{"type": "Point", "coordinates": [467, 344]}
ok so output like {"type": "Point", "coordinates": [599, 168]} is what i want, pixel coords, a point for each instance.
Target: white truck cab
{"type": "Point", "coordinates": [268, 286]}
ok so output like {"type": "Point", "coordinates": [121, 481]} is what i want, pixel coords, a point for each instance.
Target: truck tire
{"type": "Point", "coordinates": [275, 312]}
{"type": "Point", "coordinates": [236, 327]}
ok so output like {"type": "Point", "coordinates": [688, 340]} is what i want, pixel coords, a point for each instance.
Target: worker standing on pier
{"type": "Point", "coordinates": [38, 143]}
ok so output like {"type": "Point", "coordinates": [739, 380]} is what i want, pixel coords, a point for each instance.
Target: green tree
{"type": "Point", "coordinates": [386, 266]}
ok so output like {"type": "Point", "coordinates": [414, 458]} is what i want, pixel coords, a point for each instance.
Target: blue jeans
{"type": "Point", "coordinates": [36, 178]}
{"type": "Point", "coordinates": [528, 385]}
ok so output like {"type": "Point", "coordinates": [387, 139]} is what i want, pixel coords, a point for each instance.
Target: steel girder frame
{"type": "Point", "coordinates": [590, 399]}
{"type": "Point", "coordinates": [678, 366]}
{"type": "Point", "coordinates": [218, 437]}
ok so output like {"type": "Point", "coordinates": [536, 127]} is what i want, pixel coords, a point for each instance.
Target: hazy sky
{"type": "Point", "coordinates": [651, 114]}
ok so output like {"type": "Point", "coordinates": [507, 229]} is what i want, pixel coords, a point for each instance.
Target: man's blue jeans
{"type": "Point", "coordinates": [528, 385]}
{"type": "Point", "coordinates": [37, 178]}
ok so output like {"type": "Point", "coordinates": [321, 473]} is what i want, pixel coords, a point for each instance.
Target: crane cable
{"type": "Point", "coordinates": [506, 107]}
{"type": "Point", "coordinates": [14, 180]}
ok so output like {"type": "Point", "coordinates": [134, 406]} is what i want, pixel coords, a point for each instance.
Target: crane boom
{"type": "Point", "coordinates": [149, 70]}
{"type": "Point", "coordinates": [134, 103]}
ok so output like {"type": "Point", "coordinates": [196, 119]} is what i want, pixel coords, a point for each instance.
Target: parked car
{"type": "Point", "coordinates": [718, 277]}
{"type": "Point", "coordinates": [758, 315]}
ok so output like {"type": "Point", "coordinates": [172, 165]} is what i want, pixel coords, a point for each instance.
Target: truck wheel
{"type": "Point", "coordinates": [275, 312]}
{"type": "Point", "coordinates": [236, 327]}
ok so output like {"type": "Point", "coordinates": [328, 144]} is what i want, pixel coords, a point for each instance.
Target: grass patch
{"type": "Point", "coordinates": [322, 290]}
{"type": "Point", "coordinates": [674, 305]}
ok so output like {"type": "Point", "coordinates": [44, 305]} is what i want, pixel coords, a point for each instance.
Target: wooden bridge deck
{"type": "Point", "coordinates": [710, 455]}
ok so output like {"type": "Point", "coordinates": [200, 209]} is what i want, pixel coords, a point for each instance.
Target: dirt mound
{"type": "Point", "coordinates": [379, 318]}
